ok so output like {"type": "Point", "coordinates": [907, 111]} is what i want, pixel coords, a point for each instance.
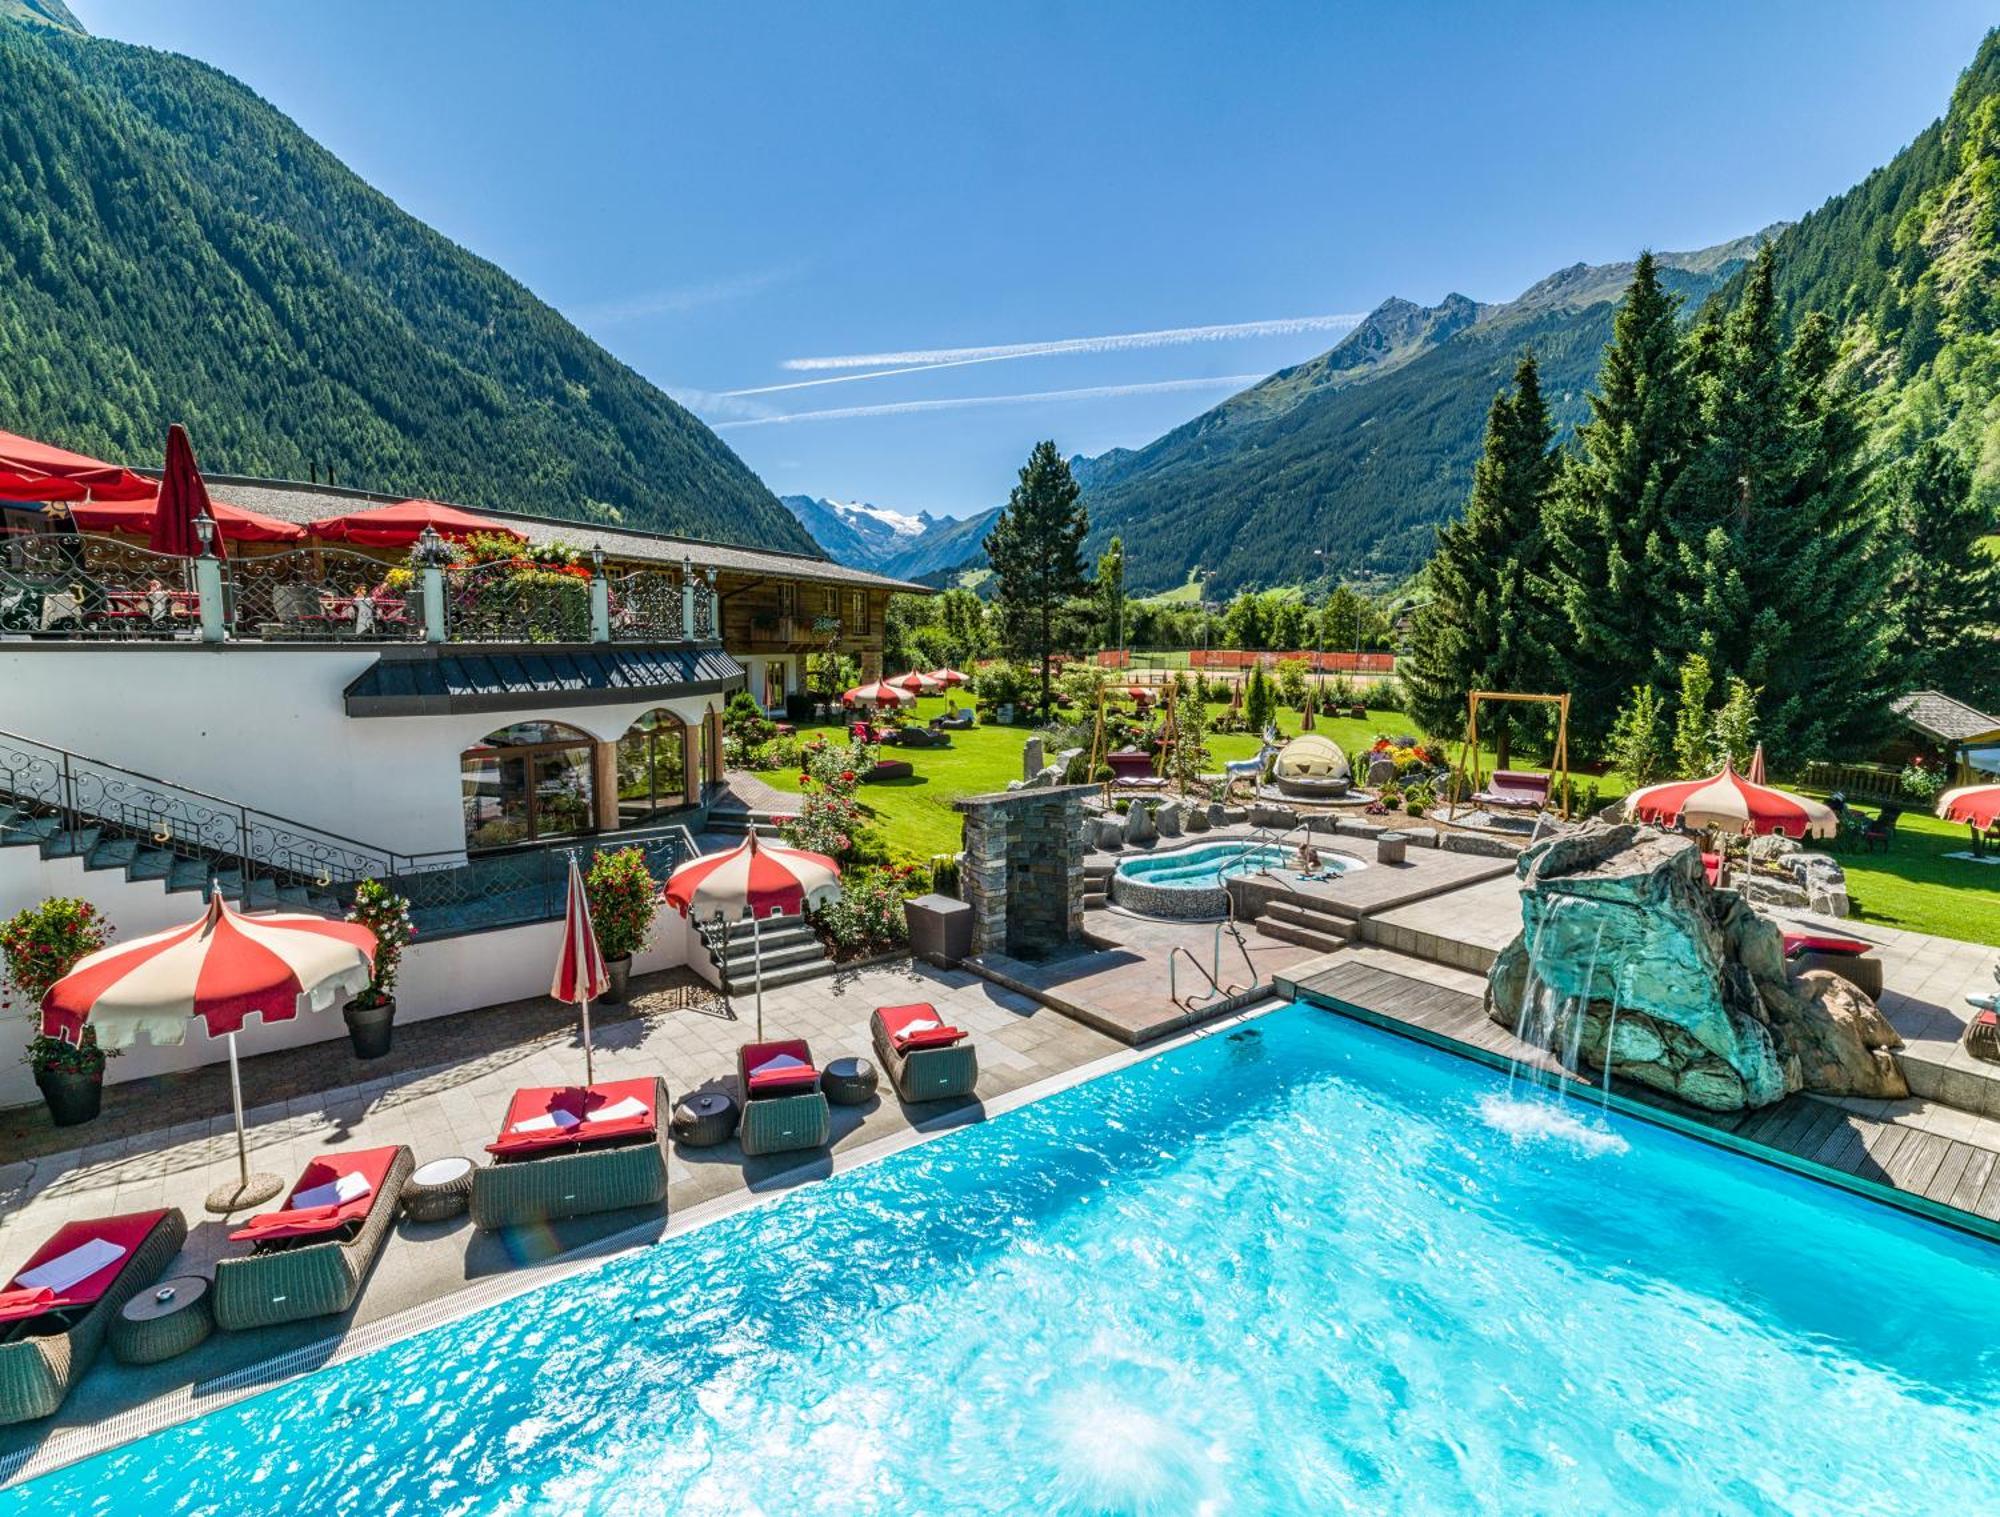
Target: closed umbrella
{"type": "Point", "coordinates": [221, 970]}
{"type": "Point", "coordinates": [183, 498]}
{"type": "Point", "coordinates": [1756, 774]}
{"type": "Point", "coordinates": [1728, 802]}
{"type": "Point", "coordinates": [759, 879]}
{"type": "Point", "coordinates": [580, 973]}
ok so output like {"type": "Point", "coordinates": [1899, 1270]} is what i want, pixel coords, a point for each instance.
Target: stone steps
{"type": "Point", "coordinates": [1306, 922]}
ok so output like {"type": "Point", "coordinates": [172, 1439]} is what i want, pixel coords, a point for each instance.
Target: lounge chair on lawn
{"type": "Point", "coordinates": [927, 1060]}
{"type": "Point", "coordinates": [1850, 958]}
{"type": "Point", "coordinates": [55, 1311]}
{"type": "Point", "coordinates": [783, 1106]}
{"type": "Point", "coordinates": [1514, 790]}
{"type": "Point", "coordinates": [568, 1151]}
{"type": "Point", "coordinates": [308, 1258]}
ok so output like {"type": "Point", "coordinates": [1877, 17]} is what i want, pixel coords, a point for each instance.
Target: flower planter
{"type": "Point", "coordinates": [620, 972]}
{"type": "Point", "coordinates": [370, 1028]}
{"type": "Point", "coordinates": [71, 1098]}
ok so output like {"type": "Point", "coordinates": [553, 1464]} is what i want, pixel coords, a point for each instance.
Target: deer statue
{"type": "Point", "coordinates": [1251, 769]}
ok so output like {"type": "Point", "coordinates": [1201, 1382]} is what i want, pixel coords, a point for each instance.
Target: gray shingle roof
{"type": "Point", "coordinates": [290, 500]}
{"type": "Point", "coordinates": [426, 681]}
{"type": "Point", "coordinates": [1937, 714]}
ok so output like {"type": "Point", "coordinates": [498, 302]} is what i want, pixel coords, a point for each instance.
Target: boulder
{"type": "Point", "coordinates": [1139, 826]}
{"type": "Point", "coordinates": [1196, 819]}
{"type": "Point", "coordinates": [1111, 832]}
{"type": "Point", "coordinates": [1627, 956]}
{"type": "Point", "coordinates": [1281, 818]}
{"type": "Point", "coordinates": [1381, 771]}
{"type": "Point", "coordinates": [1167, 819]}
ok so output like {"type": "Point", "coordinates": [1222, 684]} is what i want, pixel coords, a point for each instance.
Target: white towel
{"type": "Point", "coordinates": [560, 1117]}
{"type": "Point", "coordinates": [618, 1111]}
{"type": "Point", "coordinates": [778, 1061]}
{"type": "Point", "coordinates": [351, 1186]}
{"type": "Point", "coordinates": [80, 1263]}
{"type": "Point", "coordinates": [922, 1024]}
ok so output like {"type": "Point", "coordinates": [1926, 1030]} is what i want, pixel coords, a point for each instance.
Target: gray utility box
{"type": "Point", "coordinates": [940, 929]}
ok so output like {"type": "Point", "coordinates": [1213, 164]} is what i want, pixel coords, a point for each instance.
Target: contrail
{"type": "Point", "coordinates": [964, 402]}
{"type": "Point", "coordinates": [917, 361]}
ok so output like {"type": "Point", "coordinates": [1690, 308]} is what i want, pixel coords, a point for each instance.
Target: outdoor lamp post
{"type": "Point", "coordinates": [204, 532]}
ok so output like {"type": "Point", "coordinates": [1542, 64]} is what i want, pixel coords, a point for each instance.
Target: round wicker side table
{"type": "Point", "coordinates": [438, 1190]}
{"type": "Point", "coordinates": [169, 1319]}
{"type": "Point", "coordinates": [704, 1118]}
{"type": "Point", "coordinates": [848, 1082]}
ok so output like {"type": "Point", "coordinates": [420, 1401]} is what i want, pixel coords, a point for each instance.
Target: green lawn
{"type": "Point", "coordinates": [1915, 887]}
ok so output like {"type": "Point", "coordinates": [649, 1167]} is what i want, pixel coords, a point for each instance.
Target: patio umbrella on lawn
{"type": "Point", "coordinates": [759, 878]}
{"type": "Point", "coordinates": [221, 970]}
{"type": "Point", "coordinates": [949, 677]}
{"type": "Point", "coordinates": [881, 693]}
{"type": "Point", "coordinates": [917, 683]}
{"type": "Point", "coordinates": [1729, 803]}
{"type": "Point", "coordinates": [1977, 806]}
{"type": "Point", "coordinates": [580, 972]}
{"type": "Point", "coordinates": [183, 498]}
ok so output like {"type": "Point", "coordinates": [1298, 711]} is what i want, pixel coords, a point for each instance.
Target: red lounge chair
{"type": "Point", "coordinates": [927, 1059]}
{"type": "Point", "coordinates": [570, 1151]}
{"type": "Point", "coordinates": [50, 1332]}
{"type": "Point", "coordinates": [783, 1107]}
{"type": "Point", "coordinates": [1850, 958]}
{"type": "Point", "coordinates": [310, 1257]}
{"type": "Point", "coordinates": [1514, 790]}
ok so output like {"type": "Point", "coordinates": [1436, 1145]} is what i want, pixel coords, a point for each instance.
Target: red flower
{"type": "Point", "coordinates": [847, 776]}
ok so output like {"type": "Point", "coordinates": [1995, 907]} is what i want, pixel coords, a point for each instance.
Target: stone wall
{"type": "Point", "coordinates": [1022, 873]}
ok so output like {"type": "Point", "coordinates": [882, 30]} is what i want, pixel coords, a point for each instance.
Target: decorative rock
{"type": "Point", "coordinates": [1381, 771]}
{"type": "Point", "coordinates": [1196, 819]}
{"type": "Point", "coordinates": [1281, 817]}
{"type": "Point", "coordinates": [1139, 826]}
{"type": "Point", "coordinates": [1230, 816]}
{"type": "Point", "coordinates": [1841, 1038]}
{"type": "Point", "coordinates": [1111, 832]}
{"type": "Point", "coordinates": [1031, 758]}
{"type": "Point", "coordinates": [1167, 819]}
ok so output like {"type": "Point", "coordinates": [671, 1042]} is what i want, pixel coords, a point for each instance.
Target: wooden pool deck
{"type": "Point", "coordinates": [1923, 1157]}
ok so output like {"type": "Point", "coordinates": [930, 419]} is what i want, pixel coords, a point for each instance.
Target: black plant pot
{"type": "Point", "coordinates": [370, 1028]}
{"type": "Point", "coordinates": [620, 971]}
{"type": "Point", "coordinates": [71, 1098]}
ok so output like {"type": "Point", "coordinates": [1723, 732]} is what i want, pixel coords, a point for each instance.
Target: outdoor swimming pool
{"type": "Point", "coordinates": [1187, 882]}
{"type": "Point", "coordinates": [1302, 1266]}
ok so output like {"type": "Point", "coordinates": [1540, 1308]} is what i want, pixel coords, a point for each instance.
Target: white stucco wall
{"type": "Point", "coordinates": [266, 727]}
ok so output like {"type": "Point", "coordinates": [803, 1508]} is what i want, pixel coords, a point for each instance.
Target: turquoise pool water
{"type": "Point", "coordinates": [1301, 1267]}
{"type": "Point", "coordinates": [1205, 866]}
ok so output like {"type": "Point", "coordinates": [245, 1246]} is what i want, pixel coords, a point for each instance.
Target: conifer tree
{"type": "Point", "coordinates": [1485, 624]}
{"type": "Point", "coordinates": [1036, 550]}
{"type": "Point", "coordinates": [1611, 550]}
{"type": "Point", "coordinates": [1944, 597]}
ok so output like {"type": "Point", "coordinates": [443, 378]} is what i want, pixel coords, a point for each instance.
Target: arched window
{"type": "Point", "coordinates": [528, 781]}
{"type": "Point", "coordinates": [652, 768]}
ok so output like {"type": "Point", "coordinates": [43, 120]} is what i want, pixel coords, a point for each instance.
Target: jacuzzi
{"type": "Point", "coordinates": [1188, 882]}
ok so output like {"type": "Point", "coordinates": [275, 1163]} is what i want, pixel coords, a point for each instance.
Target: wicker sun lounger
{"type": "Point", "coordinates": [310, 1261]}
{"type": "Point", "coordinates": [931, 1062]}
{"type": "Point", "coordinates": [44, 1353]}
{"type": "Point", "coordinates": [575, 1169]}
{"type": "Point", "coordinates": [783, 1106]}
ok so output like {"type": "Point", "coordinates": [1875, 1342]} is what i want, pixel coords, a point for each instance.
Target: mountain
{"type": "Point", "coordinates": [1360, 451]}
{"type": "Point", "coordinates": [950, 545]}
{"type": "Point", "coordinates": [853, 533]}
{"type": "Point", "coordinates": [172, 248]}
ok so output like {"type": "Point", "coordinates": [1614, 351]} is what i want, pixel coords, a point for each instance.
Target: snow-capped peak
{"type": "Point", "coordinates": [899, 522]}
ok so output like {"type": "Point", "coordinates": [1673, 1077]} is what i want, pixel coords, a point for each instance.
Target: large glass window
{"type": "Point", "coordinates": [528, 781]}
{"type": "Point", "coordinates": [652, 768]}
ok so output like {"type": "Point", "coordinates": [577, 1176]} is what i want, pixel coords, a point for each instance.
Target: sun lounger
{"type": "Point", "coordinates": [309, 1258]}
{"type": "Point", "coordinates": [1514, 790]}
{"type": "Point", "coordinates": [927, 1059]}
{"type": "Point", "coordinates": [783, 1107]}
{"type": "Point", "coordinates": [568, 1151]}
{"type": "Point", "coordinates": [55, 1311]}
{"type": "Point", "coordinates": [1850, 958]}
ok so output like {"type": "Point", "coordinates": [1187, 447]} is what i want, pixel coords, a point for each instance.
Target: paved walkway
{"type": "Point", "coordinates": [455, 1107]}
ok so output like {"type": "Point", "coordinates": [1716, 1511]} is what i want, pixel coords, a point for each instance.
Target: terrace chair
{"type": "Point", "coordinates": [1878, 834]}
{"type": "Point", "coordinates": [1514, 790]}
{"type": "Point", "coordinates": [570, 1151]}
{"type": "Point", "coordinates": [1850, 958]}
{"type": "Point", "coordinates": [783, 1107]}
{"type": "Point", "coordinates": [309, 1258]}
{"type": "Point", "coordinates": [53, 1320]}
{"type": "Point", "coordinates": [927, 1059]}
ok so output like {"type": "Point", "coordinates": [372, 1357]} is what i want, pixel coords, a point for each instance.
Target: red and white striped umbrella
{"type": "Point", "coordinates": [949, 677]}
{"type": "Point", "coordinates": [580, 973]}
{"type": "Point", "coordinates": [1730, 803]}
{"type": "Point", "coordinates": [759, 878]}
{"type": "Point", "coordinates": [881, 693]}
{"type": "Point", "coordinates": [221, 971]}
{"type": "Point", "coordinates": [917, 683]}
{"type": "Point", "coordinates": [1974, 805]}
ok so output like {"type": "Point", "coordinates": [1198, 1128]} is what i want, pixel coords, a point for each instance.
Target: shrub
{"type": "Point", "coordinates": [944, 874]}
{"type": "Point", "coordinates": [867, 917]}
{"type": "Point", "coordinates": [386, 914]}
{"type": "Point", "coordinates": [998, 685]}
{"type": "Point", "coordinates": [1292, 682]}
{"type": "Point", "coordinates": [744, 720]}
{"type": "Point", "coordinates": [623, 897]}
{"type": "Point", "coordinates": [38, 946]}
{"type": "Point", "coordinates": [1637, 746]}
{"type": "Point", "coordinates": [1217, 691]}
{"type": "Point", "coordinates": [830, 820]}
{"type": "Point", "coordinates": [1920, 782]}
{"type": "Point", "coordinates": [1259, 707]}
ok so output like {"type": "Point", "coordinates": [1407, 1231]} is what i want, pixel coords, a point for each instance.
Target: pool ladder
{"type": "Point", "coordinates": [1213, 973]}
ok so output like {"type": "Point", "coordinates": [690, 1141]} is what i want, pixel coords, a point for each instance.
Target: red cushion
{"type": "Point", "coordinates": [127, 1231]}
{"type": "Point", "coordinates": [26, 1302]}
{"type": "Point", "coordinates": [776, 1081]}
{"type": "Point", "coordinates": [372, 1164]}
{"type": "Point", "coordinates": [784, 1079]}
{"type": "Point", "coordinates": [1797, 943]}
{"type": "Point", "coordinates": [538, 1101]}
{"type": "Point", "coordinates": [930, 1037]}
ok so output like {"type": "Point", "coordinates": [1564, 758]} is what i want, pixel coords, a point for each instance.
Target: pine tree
{"type": "Point", "coordinates": [1485, 624]}
{"type": "Point", "coordinates": [1944, 598]}
{"type": "Point", "coordinates": [1610, 546]}
{"type": "Point", "coordinates": [1110, 592]}
{"type": "Point", "coordinates": [1036, 550]}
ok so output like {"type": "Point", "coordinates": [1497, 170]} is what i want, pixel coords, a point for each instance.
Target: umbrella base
{"type": "Point", "coordinates": [237, 1195]}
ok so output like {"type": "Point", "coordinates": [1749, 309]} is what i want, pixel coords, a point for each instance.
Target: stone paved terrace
{"type": "Point", "coordinates": [445, 1093]}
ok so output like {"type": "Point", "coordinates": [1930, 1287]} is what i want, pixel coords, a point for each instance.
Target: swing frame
{"type": "Point", "coordinates": [1468, 752]}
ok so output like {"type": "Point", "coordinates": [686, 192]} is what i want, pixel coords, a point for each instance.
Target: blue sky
{"type": "Point", "coordinates": [729, 196]}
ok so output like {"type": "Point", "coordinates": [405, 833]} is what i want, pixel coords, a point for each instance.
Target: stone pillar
{"type": "Point", "coordinates": [982, 878]}
{"type": "Point", "coordinates": [871, 665]}
{"type": "Point", "coordinates": [1031, 758]}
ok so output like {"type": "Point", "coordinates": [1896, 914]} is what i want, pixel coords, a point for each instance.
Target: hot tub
{"type": "Point", "coordinates": [1187, 883]}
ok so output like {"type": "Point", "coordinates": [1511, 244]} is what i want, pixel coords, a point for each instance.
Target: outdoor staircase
{"type": "Point", "coordinates": [792, 951]}
{"type": "Point", "coordinates": [734, 820]}
{"type": "Point", "coordinates": [1097, 886]}
{"type": "Point", "coordinates": [1306, 920]}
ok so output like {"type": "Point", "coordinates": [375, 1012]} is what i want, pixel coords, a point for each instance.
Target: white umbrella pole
{"type": "Point", "coordinates": [757, 965]}
{"type": "Point", "coordinates": [236, 1104]}
{"type": "Point", "coordinates": [589, 1077]}
{"type": "Point", "coordinates": [248, 1189]}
